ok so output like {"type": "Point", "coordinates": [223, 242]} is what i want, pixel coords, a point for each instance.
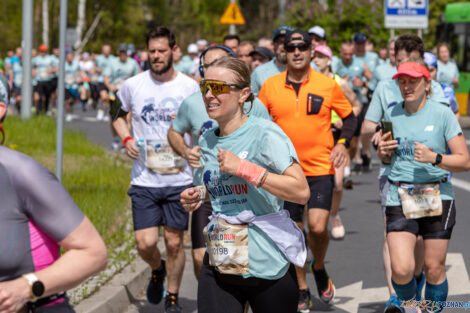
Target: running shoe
{"type": "Point", "coordinates": [155, 288]}
{"type": "Point", "coordinates": [304, 301]}
{"type": "Point", "coordinates": [337, 228]}
{"type": "Point", "coordinates": [348, 183]}
{"type": "Point", "coordinates": [419, 286]}
{"type": "Point", "coordinates": [393, 305]}
{"type": "Point", "coordinates": [100, 115]}
{"type": "Point", "coordinates": [357, 168]}
{"type": "Point", "coordinates": [171, 304]}
{"type": "Point", "coordinates": [325, 287]}
{"type": "Point", "coordinates": [365, 163]}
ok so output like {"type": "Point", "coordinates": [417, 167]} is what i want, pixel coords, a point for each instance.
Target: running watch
{"type": "Point", "coordinates": [344, 141]}
{"type": "Point", "coordinates": [37, 287]}
{"type": "Point", "coordinates": [438, 159]}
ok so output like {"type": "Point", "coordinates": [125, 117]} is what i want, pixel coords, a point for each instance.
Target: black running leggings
{"type": "Point", "coordinates": [219, 293]}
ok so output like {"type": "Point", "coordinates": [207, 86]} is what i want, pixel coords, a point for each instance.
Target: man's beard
{"type": "Point", "coordinates": [165, 69]}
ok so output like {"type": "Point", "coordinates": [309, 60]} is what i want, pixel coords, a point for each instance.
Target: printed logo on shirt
{"type": "Point", "coordinates": [214, 182]}
{"type": "Point", "coordinates": [391, 104]}
{"type": "Point", "coordinates": [243, 154]}
{"type": "Point", "coordinates": [429, 128]}
{"type": "Point", "coordinates": [158, 115]}
{"type": "Point", "coordinates": [205, 127]}
{"type": "Point", "coordinates": [405, 150]}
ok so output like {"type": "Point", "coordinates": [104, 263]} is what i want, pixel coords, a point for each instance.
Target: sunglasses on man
{"type": "Point", "coordinates": [217, 87]}
{"type": "Point", "coordinates": [301, 46]}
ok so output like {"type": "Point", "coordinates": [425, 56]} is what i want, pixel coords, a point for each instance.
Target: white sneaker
{"type": "Point", "coordinates": [337, 228]}
{"type": "Point", "coordinates": [106, 118]}
{"type": "Point", "coordinates": [100, 115]}
{"type": "Point", "coordinates": [68, 117]}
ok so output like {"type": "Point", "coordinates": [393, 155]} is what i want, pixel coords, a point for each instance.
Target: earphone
{"type": "Point", "coordinates": [201, 58]}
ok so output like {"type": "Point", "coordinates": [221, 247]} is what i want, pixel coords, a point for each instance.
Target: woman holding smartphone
{"type": "Point", "coordinates": [420, 200]}
{"type": "Point", "coordinates": [249, 168]}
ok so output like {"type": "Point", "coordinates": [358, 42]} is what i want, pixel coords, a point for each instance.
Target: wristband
{"type": "Point", "coordinates": [202, 192]}
{"type": "Point", "coordinates": [251, 172]}
{"type": "Point", "coordinates": [126, 140]}
{"type": "Point", "coordinates": [263, 179]}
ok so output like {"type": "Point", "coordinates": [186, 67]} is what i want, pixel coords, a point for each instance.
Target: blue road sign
{"type": "Point", "coordinates": [408, 14]}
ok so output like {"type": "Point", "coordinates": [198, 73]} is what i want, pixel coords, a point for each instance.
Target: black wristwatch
{"type": "Point", "coordinates": [344, 141]}
{"type": "Point", "coordinates": [438, 159]}
{"type": "Point", "coordinates": [37, 287]}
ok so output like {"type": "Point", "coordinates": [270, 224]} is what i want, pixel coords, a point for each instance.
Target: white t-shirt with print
{"type": "Point", "coordinates": [152, 104]}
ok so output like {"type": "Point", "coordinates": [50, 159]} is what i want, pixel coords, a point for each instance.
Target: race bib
{"type": "Point", "coordinates": [161, 159]}
{"type": "Point", "coordinates": [227, 246]}
{"type": "Point", "coordinates": [420, 200]}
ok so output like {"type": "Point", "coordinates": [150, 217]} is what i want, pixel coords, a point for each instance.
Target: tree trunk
{"type": "Point", "coordinates": [45, 22]}
{"type": "Point", "coordinates": [80, 22]}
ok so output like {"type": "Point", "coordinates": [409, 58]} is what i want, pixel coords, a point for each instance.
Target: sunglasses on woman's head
{"type": "Point", "coordinates": [217, 87]}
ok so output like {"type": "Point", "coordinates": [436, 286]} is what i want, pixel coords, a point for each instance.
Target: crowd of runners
{"type": "Point", "coordinates": [257, 142]}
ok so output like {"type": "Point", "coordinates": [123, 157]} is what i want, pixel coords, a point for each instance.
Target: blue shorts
{"type": "Point", "coordinates": [152, 207]}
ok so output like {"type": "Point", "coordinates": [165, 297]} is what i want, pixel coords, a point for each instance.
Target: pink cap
{"type": "Point", "coordinates": [325, 50]}
{"type": "Point", "coordinates": [412, 69]}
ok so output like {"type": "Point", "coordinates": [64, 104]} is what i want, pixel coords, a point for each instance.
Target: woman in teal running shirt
{"type": "Point", "coordinates": [249, 168]}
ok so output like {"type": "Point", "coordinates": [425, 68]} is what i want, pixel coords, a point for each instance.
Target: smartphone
{"type": "Point", "coordinates": [387, 127]}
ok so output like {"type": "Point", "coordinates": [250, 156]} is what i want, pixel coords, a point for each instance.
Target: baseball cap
{"type": "Point", "coordinates": [85, 55]}
{"type": "Point", "coordinates": [263, 51]}
{"type": "Point", "coordinates": [325, 50]}
{"type": "Point", "coordinates": [201, 42]}
{"type": "Point", "coordinates": [281, 31]}
{"type": "Point", "coordinates": [360, 38]}
{"type": "Point", "coordinates": [411, 69]}
{"type": "Point", "coordinates": [192, 48]}
{"type": "Point", "coordinates": [318, 31]}
{"type": "Point", "coordinates": [43, 48]}
{"type": "Point", "coordinates": [296, 34]}
{"type": "Point", "coordinates": [430, 59]}
{"type": "Point", "coordinates": [122, 47]}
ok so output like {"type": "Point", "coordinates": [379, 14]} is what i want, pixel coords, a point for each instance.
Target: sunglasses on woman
{"type": "Point", "coordinates": [217, 87]}
{"type": "Point", "coordinates": [301, 46]}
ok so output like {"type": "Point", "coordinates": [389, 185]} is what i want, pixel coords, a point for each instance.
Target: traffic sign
{"type": "Point", "coordinates": [409, 14]}
{"type": "Point", "coordinates": [232, 15]}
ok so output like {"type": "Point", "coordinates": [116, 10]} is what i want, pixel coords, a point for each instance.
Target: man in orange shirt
{"type": "Point", "coordinates": [300, 101]}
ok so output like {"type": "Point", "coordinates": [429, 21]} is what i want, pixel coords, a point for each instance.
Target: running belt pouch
{"type": "Point", "coordinates": [420, 200]}
{"type": "Point", "coordinates": [227, 246]}
{"type": "Point", "coordinates": [314, 103]}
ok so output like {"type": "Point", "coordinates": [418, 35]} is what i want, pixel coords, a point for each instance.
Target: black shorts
{"type": "Point", "coordinates": [222, 293]}
{"type": "Point", "coordinates": [61, 307]}
{"type": "Point", "coordinates": [153, 207]}
{"type": "Point", "coordinates": [17, 91]}
{"type": "Point", "coordinates": [96, 88]}
{"type": "Point", "coordinates": [43, 88]}
{"type": "Point", "coordinates": [53, 84]}
{"type": "Point", "coordinates": [433, 227]}
{"type": "Point", "coordinates": [199, 220]}
{"type": "Point", "coordinates": [321, 193]}
{"type": "Point", "coordinates": [360, 119]}
{"type": "Point", "coordinates": [71, 94]}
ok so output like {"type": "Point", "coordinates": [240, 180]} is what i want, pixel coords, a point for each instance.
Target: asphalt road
{"type": "Point", "coordinates": [355, 263]}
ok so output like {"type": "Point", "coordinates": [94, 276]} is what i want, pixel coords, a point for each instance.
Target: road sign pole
{"type": "Point", "coordinates": [232, 29]}
{"type": "Point", "coordinates": [27, 45]}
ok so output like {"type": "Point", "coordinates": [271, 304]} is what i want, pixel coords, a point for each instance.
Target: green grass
{"type": "Point", "coordinates": [96, 180]}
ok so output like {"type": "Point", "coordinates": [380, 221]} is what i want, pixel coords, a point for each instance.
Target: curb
{"type": "Point", "coordinates": [118, 293]}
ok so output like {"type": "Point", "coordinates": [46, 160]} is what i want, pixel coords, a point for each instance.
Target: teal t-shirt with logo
{"type": "Point", "coordinates": [264, 143]}
{"type": "Point", "coordinates": [102, 62]}
{"type": "Point", "coordinates": [17, 70]}
{"type": "Point", "coordinates": [120, 71]}
{"type": "Point", "coordinates": [192, 117]}
{"type": "Point", "coordinates": [71, 74]}
{"type": "Point", "coordinates": [43, 65]}
{"type": "Point", "coordinates": [353, 70]}
{"type": "Point", "coordinates": [386, 95]}
{"type": "Point", "coordinates": [434, 125]}
{"type": "Point", "coordinates": [371, 59]}
{"type": "Point", "coordinates": [263, 72]}
{"type": "Point", "coordinates": [446, 72]}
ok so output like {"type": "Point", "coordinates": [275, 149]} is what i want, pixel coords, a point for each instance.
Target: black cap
{"type": "Point", "coordinates": [296, 34]}
{"type": "Point", "coordinates": [122, 47]}
{"type": "Point", "coordinates": [281, 31]}
{"type": "Point", "coordinates": [360, 38]}
{"type": "Point", "coordinates": [263, 51]}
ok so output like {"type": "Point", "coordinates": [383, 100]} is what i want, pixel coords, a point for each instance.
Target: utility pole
{"type": "Point", "coordinates": [27, 45]}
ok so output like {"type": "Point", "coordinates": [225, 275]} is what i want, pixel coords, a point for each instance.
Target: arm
{"type": "Point", "coordinates": [122, 128]}
{"type": "Point", "coordinates": [192, 155]}
{"type": "Point", "coordinates": [351, 96]}
{"type": "Point", "coordinates": [367, 72]}
{"type": "Point", "coordinates": [108, 84]}
{"type": "Point", "coordinates": [458, 161]}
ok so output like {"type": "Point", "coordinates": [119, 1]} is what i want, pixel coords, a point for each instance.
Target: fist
{"type": "Point", "coordinates": [228, 162]}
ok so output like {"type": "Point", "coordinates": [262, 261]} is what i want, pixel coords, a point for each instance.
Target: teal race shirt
{"type": "Point", "coordinates": [71, 74]}
{"type": "Point", "coordinates": [119, 71]}
{"type": "Point", "coordinates": [446, 72]}
{"type": "Point", "coordinates": [17, 70]}
{"type": "Point", "coordinates": [43, 65]}
{"type": "Point", "coordinates": [381, 72]}
{"type": "Point", "coordinates": [192, 117]}
{"type": "Point", "coordinates": [264, 143]}
{"type": "Point", "coordinates": [353, 70]}
{"type": "Point", "coordinates": [386, 95]}
{"type": "Point", "coordinates": [102, 62]}
{"type": "Point", "coordinates": [371, 59]}
{"type": "Point", "coordinates": [335, 62]}
{"type": "Point", "coordinates": [434, 125]}
{"type": "Point", "coordinates": [263, 72]}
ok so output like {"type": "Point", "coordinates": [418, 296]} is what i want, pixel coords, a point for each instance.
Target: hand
{"type": "Point", "coordinates": [357, 82]}
{"type": "Point", "coordinates": [387, 147]}
{"type": "Point", "coordinates": [14, 294]}
{"type": "Point", "coordinates": [191, 199]}
{"type": "Point", "coordinates": [423, 154]}
{"type": "Point", "coordinates": [339, 124]}
{"type": "Point", "coordinates": [192, 156]}
{"type": "Point", "coordinates": [131, 149]}
{"type": "Point", "coordinates": [228, 162]}
{"type": "Point", "coordinates": [173, 116]}
{"type": "Point", "coordinates": [376, 139]}
{"type": "Point", "coordinates": [456, 82]}
{"type": "Point", "coordinates": [339, 155]}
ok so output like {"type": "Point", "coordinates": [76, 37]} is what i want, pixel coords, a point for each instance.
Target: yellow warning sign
{"type": "Point", "coordinates": [232, 15]}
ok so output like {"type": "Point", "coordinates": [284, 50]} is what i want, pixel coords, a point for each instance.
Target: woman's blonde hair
{"type": "Point", "coordinates": [419, 61]}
